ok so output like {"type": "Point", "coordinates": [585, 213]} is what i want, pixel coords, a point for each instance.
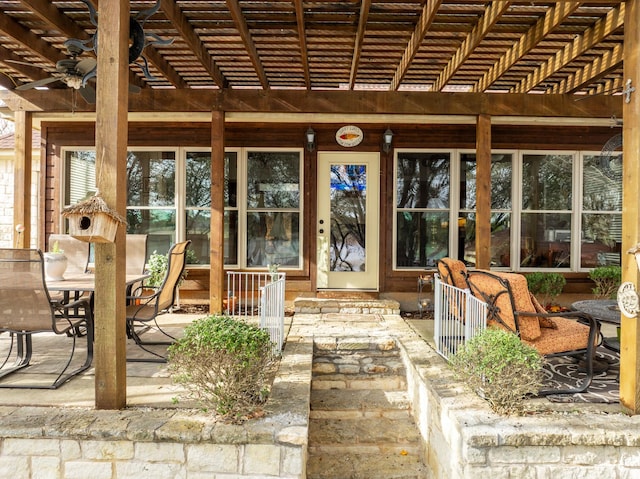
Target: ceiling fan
{"type": "Point", "coordinates": [73, 72]}
{"type": "Point", "coordinates": [76, 73]}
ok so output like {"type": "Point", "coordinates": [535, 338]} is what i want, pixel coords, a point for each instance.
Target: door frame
{"type": "Point", "coordinates": [368, 280]}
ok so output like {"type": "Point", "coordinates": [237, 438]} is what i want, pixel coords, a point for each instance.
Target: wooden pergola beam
{"type": "Point", "coordinates": [335, 102]}
{"type": "Point", "coordinates": [425, 20]}
{"type": "Point", "coordinates": [598, 67]}
{"type": "Point", "coordinates": [302, 41]}
{"type": "Point", "coordinates": [241, 24]}
{"type": "Point", "coordinates": [602, 29]}
{"type": "Point", "coordinates": [491, 15]}
{"type": "Point", "coordinates": [111, 164]}
{"type": "Point", "coordinates": [22, 166]}
{"type": "Point", "coordinates": [630, 332]}
{"type": "Point", "coordinates": [554, 17]}
{"type": "Point", "coordinates": [180, 23]}
{"type": "Point", "coordinates": [357, 48]}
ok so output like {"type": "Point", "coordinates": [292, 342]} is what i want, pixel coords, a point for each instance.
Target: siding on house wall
{"type": "Point", "coordinates": [265, 135]}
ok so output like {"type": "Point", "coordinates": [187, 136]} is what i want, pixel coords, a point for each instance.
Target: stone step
{"type": "Point", "coordinates": [362, 403]}
{"type": "Point", "coordinates": [346, 306]}
{"type": "Point", "coordinates": [366, 466]}
{"type": "Point", "coordinates": [379, 433]}
{"type": "Point", "coordinates": [358, 382]}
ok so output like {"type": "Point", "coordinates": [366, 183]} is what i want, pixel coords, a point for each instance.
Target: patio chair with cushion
{"type": "Point", "coordinates": [136, 257]}
{"type": "Point", "coordinates": [27, 309]}
{"type": "Point", "coordinates": [510, 306]}
{"type": "Point", "coordinates": [452, 272]}
{"type": "Point", "coordinates": [144, 309]}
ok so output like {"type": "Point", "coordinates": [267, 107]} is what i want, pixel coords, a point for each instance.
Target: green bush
{"type": "Point", "coordinates": [500, 366]}
{"type": "Point", "coordinates": [546, 286]}
{"type": "Point", "coordinates": [607, 280]}
{"type": "Point", "coordinates": [225, 364]}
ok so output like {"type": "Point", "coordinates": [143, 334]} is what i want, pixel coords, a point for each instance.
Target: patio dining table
{"type": "Point", "coordinates": [87, 282]}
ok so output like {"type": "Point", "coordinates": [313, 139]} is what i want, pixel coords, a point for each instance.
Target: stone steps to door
{"type": "Point", "coordinates": [360, 419]}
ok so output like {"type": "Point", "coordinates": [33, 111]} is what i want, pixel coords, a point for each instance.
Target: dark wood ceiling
{"type": "Point", "coordinates": [440, 45]}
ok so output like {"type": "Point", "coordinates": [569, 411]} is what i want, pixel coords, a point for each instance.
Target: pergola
{"type": "Point", "coordinates": [554, 59]}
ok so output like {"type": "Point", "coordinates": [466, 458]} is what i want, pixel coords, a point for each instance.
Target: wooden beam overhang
{"type": "Point", "coordinates": [241, 24]}
{"type": "Point", "coordinates": [554, 17]}
{"type": "Point", "coordinates": [357, 48]}
{"type": "Point", "coordinates": [597, 68]}
{"type": "Point", "coordinates": [602, 29]}
{"type": "Point", "coordinates": [492, 14]}
{"type": "Point", "coordinates": [343, 102]}
{"type": "Point", "coordinates": [180, 23]}
{"type": "Point", "coordinates": [424, 22]}
{"type": "Point", "coordinates": [302, 40]}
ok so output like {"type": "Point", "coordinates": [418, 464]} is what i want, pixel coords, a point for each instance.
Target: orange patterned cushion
{"type": "Point", "coordinates": [545, 322]}
{"type": "Point", "coordinates": [529, 326]}
{"type": "Point", "coordinates": [570, 335]}
{"type": "Point", "coordinates": [452, 271]}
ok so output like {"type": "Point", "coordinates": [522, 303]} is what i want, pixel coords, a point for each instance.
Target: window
{"type": "Point", "coordinates": [169, 199]}
{"type": "Point", "coordinates": [501, 185]}
{"type": "Point", "coordinates": [547, 210]}
{"type": "Point", "coordinates": [273, 208]}
{"type": "Point", "coordinates": [422, 208]}
{"type": "Point", "coordinates": [601, 220]}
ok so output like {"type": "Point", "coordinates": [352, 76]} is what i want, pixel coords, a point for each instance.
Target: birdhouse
{"type": "Point", "coordinates": [93, 221]}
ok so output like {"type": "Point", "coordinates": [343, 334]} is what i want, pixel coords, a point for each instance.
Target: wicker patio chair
{"type": "Point", "coordinates": [142, 314]}
{"type": "Point", "coordinates": [26, 309]}
{"type": "Point", "coordinates": [510, 306]}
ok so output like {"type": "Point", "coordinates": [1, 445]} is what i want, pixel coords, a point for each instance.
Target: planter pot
{"type": "Point", "coordinates": [55, 264]}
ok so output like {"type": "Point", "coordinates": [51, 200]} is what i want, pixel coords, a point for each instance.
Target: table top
{"type": "Point", "coordinates": [87, 282]}
{"type": "Point", "coordinates": [604, 310]}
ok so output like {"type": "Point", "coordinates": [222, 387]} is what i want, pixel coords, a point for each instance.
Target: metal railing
{"type": "Point", "coordinates": [259, 295]}
{"type": "Point", "coordinates": [458, 317]}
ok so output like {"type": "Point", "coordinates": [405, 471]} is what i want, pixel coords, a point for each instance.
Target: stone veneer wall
{"type": "Point", "coordinates": [465, 439]}
{"type": "Point", "coordinates": [76, 443]}
{"type": "Point", "coordinates": [7, 200]}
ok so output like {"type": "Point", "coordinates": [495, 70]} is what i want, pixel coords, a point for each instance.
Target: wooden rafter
{"type": "Point", "coordinates": [20, 34]}
{"type": "Point", "coordinates": [357, 48]}
{"type": "Point", "coordinates": [602, 28]}
{"type": "Point", "coordinates": [492, 14]}
{"type": "Point", "coordinates": [30, 71]}
{"type": "Point", "coordinates": [245, 34]}
{"type": "Point", "coordinates": [429, 11]}
{"type": "Point", "coordinates": [302, 40]}
{"type": "Point", "coordinates": [554, 17]}
{"type": "Point", "coordinates": [593, 71]}
{"type": "Point", "coordinates": [180, 23]}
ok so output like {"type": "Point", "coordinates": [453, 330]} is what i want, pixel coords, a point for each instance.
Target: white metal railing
{"type": "Point", "coordinates": [259, 295]}
{"type": "Point", "coordinates": [272, 311]}
{"type": "Point", "coordinates": [458, 316]}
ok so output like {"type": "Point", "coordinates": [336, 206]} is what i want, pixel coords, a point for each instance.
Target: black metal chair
{"type": "Point", "coordinates": [144, 309]}
{"type": "Point", "coordinates": [26, 308]}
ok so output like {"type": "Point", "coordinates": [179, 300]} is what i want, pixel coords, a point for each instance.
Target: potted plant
{"type": "Point", "coordinates": [55, 263]}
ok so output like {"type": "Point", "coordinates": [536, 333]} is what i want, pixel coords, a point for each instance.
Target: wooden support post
{"type": "Point", "coordinates": [483, 191]}
{"type": "Point", "coordinates": [216, 244]}
{"type": "Point", "coordinates": [111, 164]}
{"type": "Point", "coordinates": [630, 333]}
{"type": "Point", "coordinates": [22, 165]}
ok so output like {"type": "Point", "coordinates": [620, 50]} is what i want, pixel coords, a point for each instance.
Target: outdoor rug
{"type": "Point", "coordinates": [566, 372]}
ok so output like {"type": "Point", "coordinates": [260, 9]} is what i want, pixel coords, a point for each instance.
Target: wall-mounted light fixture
{"type": "Point", "coordinates": [387, 137]}
{"type": "Point", "coordinates": [310, 135]}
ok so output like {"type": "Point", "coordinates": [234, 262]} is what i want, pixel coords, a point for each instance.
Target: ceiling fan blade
{"type": "Point", "coordinates": [88, 93]}
{"type": "Point", "coordinates": [35, 84]}
{"type": "Point", "coordinates": [86, 65]}
{"type": "Point", "coordinates": [18, 62]}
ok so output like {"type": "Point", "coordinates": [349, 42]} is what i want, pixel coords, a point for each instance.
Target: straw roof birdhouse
{"type": "Point", "coordinates": [93, 221]}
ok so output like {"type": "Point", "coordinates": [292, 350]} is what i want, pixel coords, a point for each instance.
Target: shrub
{"type": "Point", "coordinates": [497, 364]}
{"type": "Point", "coordinates": [225, 364]}
{"type": "Point", "coordinates": [607, 280]}
{"type": "Point", "coordinates": [546, 286]}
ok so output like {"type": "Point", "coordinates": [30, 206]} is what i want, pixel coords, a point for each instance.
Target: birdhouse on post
{"type": "Point", "coordinates": [93, 221]}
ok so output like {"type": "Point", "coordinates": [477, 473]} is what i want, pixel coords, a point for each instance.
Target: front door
{"type": "Point", "coordinates": [348, 220]}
